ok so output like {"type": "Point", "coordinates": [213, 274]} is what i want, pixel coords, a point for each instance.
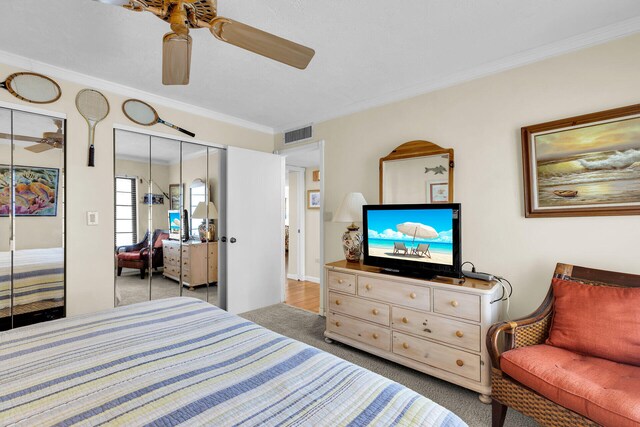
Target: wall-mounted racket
{"type": "Point", "coordinates": [94, 107]}
{"type": "Point", "coordinates": [144, 114]}
{"type": "Point", "coordinates": [32, 87]}
{"type": "Point", "coordinates": [184, 15]}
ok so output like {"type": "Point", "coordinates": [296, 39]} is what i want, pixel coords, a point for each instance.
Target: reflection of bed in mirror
{"type": "Point", "coordinates": [38, 281]}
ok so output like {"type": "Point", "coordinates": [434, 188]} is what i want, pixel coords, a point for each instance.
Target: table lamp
{"type": "Point", "coordinates": [208, 212]}
{"type": "Point", "coordinates": [350, 210]}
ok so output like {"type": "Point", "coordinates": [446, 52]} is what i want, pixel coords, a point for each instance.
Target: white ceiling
{"type": "Point", "coordinates": [368, 52]}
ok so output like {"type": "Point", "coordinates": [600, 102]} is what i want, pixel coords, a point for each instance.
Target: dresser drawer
{"type": "Point", "coordinates": [395, 292]}
{"type": "Point", "coordinates": [427, 325]}
{"type": "Point", "coordinates": [357, 307]}
{"type": "Point", "coordinates": [376, 336]}
{"type": "Point", "coordinates": [171, 271]}
{"type": "Point", "coordinates": [342, 281]}
{"type": "Point", "coordinates": [437, 355]}
{"type": "Point", "coordinates": [464, 306]}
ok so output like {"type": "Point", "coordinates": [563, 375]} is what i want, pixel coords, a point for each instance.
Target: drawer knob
{"type": "Point", "coordinates": [337, 324]}
{"type": "Point", "coordinates": [337, 302]}
{"type": "Point", "coordinates": [454, 303]}
{"type": "Point", "coordinates": [413, 295]}
{"type": "Point", "coordinates": [375, 311]}
{"type": "Point", "coordinates": [405, 345]}
{"type": "Point", "coordinates": [341, 281]}
{"type": "Point", "coordinates": [405, 320]}
{"type": "Point", "coordinates": [367, 287]}
{"type": "Point", "coordinates": [459, 362]}
{"type": "Point", "coordinates": [375, 336]}
{"type": "Point", "coordinates": [459, 334]}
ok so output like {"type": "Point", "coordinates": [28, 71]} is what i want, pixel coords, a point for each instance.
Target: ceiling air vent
{"type": "Point", "coordinates": [297, 135]}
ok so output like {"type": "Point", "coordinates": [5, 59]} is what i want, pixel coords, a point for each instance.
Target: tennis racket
{"type": "Point", "coordinates": [94, 107]}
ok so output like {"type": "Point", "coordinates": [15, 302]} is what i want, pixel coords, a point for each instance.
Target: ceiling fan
{"type": "Point", "coordinates": [184, 15]}
{"type": "Point", "coordinates": [48, 141]}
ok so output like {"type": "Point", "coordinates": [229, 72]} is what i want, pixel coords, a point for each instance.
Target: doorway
{"type": "Point", "coordinates": [303, 223]}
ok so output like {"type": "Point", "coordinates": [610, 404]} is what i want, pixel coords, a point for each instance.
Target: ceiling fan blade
{"type": "Point", "coordinates": [261, 42]}
{"type": "Point", "coordinates": [176, 59]}
{"type": "Point", "coordinates": [115, 2]}
{"type": "Point", "coordinates": [38, 148]}
{"type": "Point", "coordinates": [20, 137]}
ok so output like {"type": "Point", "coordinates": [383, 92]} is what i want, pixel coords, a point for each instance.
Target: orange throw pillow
{"type": "Point", "coordinates": [598, 321]}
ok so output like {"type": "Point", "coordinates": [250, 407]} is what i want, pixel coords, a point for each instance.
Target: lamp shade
{"type": "Point", "coordinates": [201, 211]}
{"type": "Point", "coordinates": [350, 209]}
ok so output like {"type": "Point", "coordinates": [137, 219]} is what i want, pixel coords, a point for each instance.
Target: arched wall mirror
{"type": "Point", "coordinates": [417, 172]}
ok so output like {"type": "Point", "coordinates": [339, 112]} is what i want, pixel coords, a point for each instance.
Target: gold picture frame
{"type": "Point", "coordinates": [586, 165]}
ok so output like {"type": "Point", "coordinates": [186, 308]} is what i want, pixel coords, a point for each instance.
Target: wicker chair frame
{"type": "Point", "coordinates": [533, 330]}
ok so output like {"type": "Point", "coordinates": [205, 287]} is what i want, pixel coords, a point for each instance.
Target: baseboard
{"type": "Point", "coordinates": [293, 277]}
{"type": "Point", "coordinates": [312, 279]}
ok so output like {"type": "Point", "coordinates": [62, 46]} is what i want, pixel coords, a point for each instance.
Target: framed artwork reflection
{"type": "Point", "coordinates": [313, 199]}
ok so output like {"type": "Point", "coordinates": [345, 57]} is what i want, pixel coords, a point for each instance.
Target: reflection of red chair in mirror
{"type": "Point", "coordinates": [137, 256]}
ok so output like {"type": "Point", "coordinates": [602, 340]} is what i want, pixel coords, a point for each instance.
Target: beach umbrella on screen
{"type": "Point", "coordinates": [417, 229]}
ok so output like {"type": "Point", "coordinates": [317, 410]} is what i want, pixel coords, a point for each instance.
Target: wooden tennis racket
{"type": "Point", "coordinates": [94, 107]}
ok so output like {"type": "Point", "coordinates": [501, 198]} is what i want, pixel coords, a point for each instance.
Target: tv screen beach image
{"type": "Point", "coordinates": [417, 235]}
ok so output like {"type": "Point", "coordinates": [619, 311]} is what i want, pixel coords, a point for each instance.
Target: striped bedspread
{"type": "Point", "coordinates": [38, 275]}
{"type": "Point", "coordinates": [181, 361]}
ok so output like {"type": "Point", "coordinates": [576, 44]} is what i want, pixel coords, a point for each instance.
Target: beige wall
{"type": "Point", "coordinates": [312, 231]}
{"type": "Point", "coordinates": [90, 249]}
{"type": "Point", "coordinates": [481, 120]}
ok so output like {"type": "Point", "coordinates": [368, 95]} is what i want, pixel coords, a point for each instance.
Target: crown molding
{"type": "Point", "coordinates": [592, 38]}
{"type": "Point", "coordinates": [11, 59]}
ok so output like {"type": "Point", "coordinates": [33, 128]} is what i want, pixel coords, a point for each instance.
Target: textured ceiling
{"type": "Point", "coordinates": [365, 50]}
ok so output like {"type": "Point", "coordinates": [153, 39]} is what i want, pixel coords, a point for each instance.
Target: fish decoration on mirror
{"type": "Point", "coordinates": [32, 87]}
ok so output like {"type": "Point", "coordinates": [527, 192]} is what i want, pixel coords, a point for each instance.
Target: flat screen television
{"type": "Point", "coordinates": [419, 239]}
{"type": "Point", "coordinates": [174, 225]}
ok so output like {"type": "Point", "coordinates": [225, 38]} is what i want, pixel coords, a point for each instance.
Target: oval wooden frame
{"type": "Point", "coordinates": [413, 149]}
{"type": "Point", "coordinates": [7, 86]}
{"type": "Point", "coordinates": [142, 102]}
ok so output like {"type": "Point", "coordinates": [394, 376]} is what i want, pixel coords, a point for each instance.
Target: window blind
{"type": "Point", "coordinates": [126, 215]}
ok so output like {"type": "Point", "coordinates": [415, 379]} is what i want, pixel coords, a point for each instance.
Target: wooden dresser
{"type": "Point", "coordinates": [437, 327]}
{"type": "Point", "coordinates": [190, 260]}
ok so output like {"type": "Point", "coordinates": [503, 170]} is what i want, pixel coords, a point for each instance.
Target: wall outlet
{"type": "Point", "coordinates": [92, 218]}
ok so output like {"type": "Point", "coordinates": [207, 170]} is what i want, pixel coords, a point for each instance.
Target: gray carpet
{"type": "Point", "coordinates": [309, 328]}
{"type": "Point", "coordinates": [133, 289]}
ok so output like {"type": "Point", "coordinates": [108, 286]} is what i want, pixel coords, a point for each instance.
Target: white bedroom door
{"type": "Point", "coordinates": [253, 228]}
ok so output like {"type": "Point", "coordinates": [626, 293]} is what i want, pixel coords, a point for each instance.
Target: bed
{"type": "Point", "coordinates": [182, 361]}
{"type": "Point", "coordinates": [38, 277]}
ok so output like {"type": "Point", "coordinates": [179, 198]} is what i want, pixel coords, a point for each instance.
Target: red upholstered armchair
{"type": "Point", "coordinates": [575, 361]}
{"type": "Point", "coordinates": [137, 256]}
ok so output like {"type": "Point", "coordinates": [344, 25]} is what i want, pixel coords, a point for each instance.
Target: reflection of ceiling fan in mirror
{"type": "Point", "coordinates": [48, 140]}
{"type": "Point", "coordinates": [184, 15]}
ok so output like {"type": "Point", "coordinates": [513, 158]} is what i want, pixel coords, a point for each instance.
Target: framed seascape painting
{"type": "Point", "coordinates": [583, 166]}
{"type": "Point", "coordinates": [36, 191]}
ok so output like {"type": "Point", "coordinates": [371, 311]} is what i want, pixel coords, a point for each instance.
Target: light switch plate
{"type": "Point", "coordinates": [92, 218]}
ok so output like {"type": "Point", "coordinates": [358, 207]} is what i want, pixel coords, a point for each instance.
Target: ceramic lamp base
{"type": "Point", "coordinates": [352, 244]}
{"type": "Point", "coordinates": [207, 232]}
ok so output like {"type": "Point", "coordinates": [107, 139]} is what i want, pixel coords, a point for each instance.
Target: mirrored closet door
{"type": "Point", "coordinates": [165, 213]}
{"type": "Point", "coordinates": [32, 218]}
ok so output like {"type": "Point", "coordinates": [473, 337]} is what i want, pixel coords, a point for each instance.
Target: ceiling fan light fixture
{"type": "Point", "coordinates": [176, 59]}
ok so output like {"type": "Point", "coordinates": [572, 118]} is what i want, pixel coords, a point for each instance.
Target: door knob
{"type": "Point", "coordinates": [223, 239]}
{"type": "Point", "coordinates": [233, 240]}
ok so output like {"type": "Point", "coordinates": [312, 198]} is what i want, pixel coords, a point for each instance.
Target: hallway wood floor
{"type": "Point", "coordinates": [304, 295]}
